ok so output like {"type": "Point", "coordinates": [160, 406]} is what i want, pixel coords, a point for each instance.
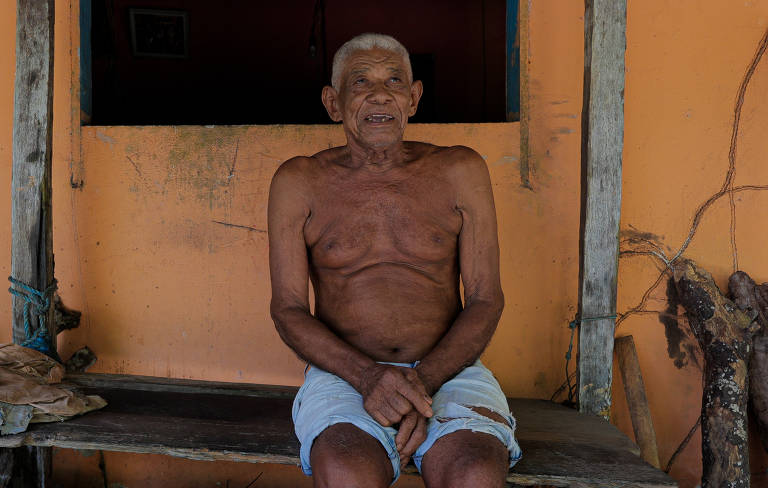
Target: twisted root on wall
{"type": "Point", "coordinates": [725, 335]}
{"type": "Point", "coordinates": [753, 300]}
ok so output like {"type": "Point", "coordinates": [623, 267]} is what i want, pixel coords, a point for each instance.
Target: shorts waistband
{"type": "Point", "coordinates": [402, 365]}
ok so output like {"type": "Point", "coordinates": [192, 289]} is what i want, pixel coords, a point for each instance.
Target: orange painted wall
{"type": "Point", "coordinates": [168, 289]}
{"type": "Point", "coordinates": [173, 274]}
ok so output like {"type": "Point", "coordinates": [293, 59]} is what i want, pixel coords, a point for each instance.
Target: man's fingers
{"type": "Point", "coordinates": [381, 418]}
{"type": "Point", "coordinates": [413, 378]}
{"type": "Point", "coordinates": [418, 398]}
{"type": "Point", "coordinates": [390, 416]}
{"type": "Point", "coordinates": [399, 404]}
{"type": "Point", "coordinates": [418, 435]}
{"type": "Point", "coordinates": [406, 427]}
{"type": "Point", "coordinates": [378, 417]}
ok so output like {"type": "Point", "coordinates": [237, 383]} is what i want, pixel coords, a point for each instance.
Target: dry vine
{"type": "Point", "coordinates": [726, 189]}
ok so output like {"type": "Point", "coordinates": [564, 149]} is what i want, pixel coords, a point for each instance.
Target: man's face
{"type": "Point", "coordinates": [374, 99]}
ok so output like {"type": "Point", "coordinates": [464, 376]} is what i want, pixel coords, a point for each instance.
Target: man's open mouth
{"type": "Point", "coordinates": [378, 118]}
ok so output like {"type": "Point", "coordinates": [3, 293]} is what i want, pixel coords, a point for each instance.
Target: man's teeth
{"type": "Point", "coordinates": [379, 118]}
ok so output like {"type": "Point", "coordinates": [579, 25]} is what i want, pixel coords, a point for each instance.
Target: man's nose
{"type": "Point", "coordinates": [380, 94]}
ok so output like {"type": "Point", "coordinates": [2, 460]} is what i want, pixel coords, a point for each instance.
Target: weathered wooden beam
{"type": "Point", "coordinates": [31, 224]}
{"type": "Point", "coordinates": [523, 30]}
{"type": "Point", "coordinates": [639, 412]}
{"type": "Point", "coordinates": [31, 242]}
{"type": "Point", "coordinates": [725, 334]}
{"type": "Point", "coordinates": [602, 142]}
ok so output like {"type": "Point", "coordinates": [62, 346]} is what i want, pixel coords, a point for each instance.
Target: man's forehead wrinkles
{"type": "Point", "coordinates": [358, 69]}
{"type": "Point", "coordinates": [374, 57]}
{"type": "Point", "coordinates": [365, 64]}
{"type": "Point", "coordinates": [362, 67]}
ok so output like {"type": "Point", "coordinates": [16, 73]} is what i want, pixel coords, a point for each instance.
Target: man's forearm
{"type": "Point", "coordinates": [313, 341]}
{"type": "Point", "coordinates": [461, 345]}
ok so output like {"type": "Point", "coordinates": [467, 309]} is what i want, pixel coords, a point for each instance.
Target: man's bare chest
{"type": "Point", "coordinates": [412, 221]}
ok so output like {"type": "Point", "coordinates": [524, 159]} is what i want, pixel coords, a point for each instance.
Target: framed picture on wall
{"type": "Point", "coordinates": [159, 33]}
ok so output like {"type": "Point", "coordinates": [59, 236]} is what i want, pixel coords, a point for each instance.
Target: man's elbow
{"type": "Point", "coordinates": [497, 304]}
{"type": "Point", "coordinates": [283, 316]}
{"type": "Point", "coordinates": [277, 312]}
{"type": "Point", "coordinates": [492, 304]}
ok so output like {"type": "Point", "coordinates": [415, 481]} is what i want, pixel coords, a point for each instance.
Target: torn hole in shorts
{"type": "Point", "coordinates": [454, 411]}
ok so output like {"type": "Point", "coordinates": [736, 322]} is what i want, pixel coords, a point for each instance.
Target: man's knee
{"type": "Point", "coordinates": [344, 455]}
{"type": "Point", "coordinates": [467, 457]}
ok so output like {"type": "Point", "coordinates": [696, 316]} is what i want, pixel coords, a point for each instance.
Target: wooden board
{"type": "Point", "coordinates": [603, 133]}
{"type": "Point", "coordinates": [211, 421]}
{"type": "Point", "coordinates": [639, 411]}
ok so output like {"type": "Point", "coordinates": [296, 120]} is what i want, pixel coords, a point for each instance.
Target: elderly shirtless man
{"type": "Point", "coordinates": [384, 228]}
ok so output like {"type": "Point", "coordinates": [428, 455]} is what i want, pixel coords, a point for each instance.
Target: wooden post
{"type": "Point", "coordinates": [31, 248]}
{"type": "Point", "coordinates": [602, 142]}
{"type": "Point", "coordinates": [642, 424]}
{"type": "Point", "coordinates": [523, 30]}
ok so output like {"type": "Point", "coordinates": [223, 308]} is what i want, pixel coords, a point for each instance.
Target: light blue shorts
{"type": "Point", "coordinates": [325, 400]}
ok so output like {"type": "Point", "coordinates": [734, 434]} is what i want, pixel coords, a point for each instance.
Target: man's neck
{"type": "Point", "coordinates": [376, 158]}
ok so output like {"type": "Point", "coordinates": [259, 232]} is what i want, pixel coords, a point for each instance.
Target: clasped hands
{"type": "Point", "coordinates": [392, 395]}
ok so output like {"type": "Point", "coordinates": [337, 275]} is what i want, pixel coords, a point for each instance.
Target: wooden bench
{"type": "Point", "coordinates": [252, 423]}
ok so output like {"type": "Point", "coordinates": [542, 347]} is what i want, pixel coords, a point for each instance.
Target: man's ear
{"type": "Point", "coordinates": [331, 102]}
{"type": "Point", "coordinates": [416, 90]}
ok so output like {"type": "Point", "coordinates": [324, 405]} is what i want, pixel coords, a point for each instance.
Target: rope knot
{"type": "Point", "coordinates": [41, 301]}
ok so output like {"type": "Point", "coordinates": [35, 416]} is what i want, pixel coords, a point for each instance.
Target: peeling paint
{"type": "Point", "coordinates": [105, 138]}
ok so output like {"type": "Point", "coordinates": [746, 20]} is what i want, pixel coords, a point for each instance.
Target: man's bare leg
{"type": "Point", "coordinates": [466, 459]}
{"type": "Point", "coordinates": [345, 456]}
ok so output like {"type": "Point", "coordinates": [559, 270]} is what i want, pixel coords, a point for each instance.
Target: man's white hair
{"type": "Point", "coordinates": [366, 42]}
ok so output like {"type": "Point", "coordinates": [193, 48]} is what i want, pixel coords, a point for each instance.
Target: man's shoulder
{"type": "Point", "coordinates": [448, 154]}
{"type": "Point", "coordinates": [296, 166]}
{"type": "Point", "coordinates": [297, 170]}
{"type": "Point", "coordinates": [293, 177]}
{"type": "Point", "coordinates": [304, 166]}
{"type": "Point", "coordinates": [458, 161]}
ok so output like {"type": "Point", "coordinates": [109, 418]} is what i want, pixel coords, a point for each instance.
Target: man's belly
{"type": "Point", "coordinates": [390, 315]}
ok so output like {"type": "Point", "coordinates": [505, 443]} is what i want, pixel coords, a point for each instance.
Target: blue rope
{"type": "Point", "coordinates": [41, 301]}
{"type": "Point", "coordinates": [572, 325]}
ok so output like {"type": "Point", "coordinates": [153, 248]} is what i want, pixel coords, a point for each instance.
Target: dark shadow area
{"type": "Point", "coordinates": [245, 62]}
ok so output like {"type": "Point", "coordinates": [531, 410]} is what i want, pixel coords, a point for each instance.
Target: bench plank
{"type": "Point", "coordinates": [252, 423]}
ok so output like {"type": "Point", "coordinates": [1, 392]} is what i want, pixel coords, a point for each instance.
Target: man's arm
{"type": "Point", "coordinates": [388, 392]}
{"type": "Point", "coordinates": [479, 266]}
